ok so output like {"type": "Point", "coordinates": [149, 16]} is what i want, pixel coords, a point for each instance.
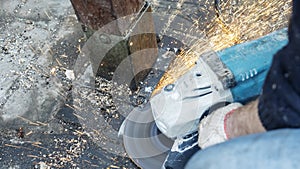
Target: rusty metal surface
{"type": "Point", "coordinates": [97, 13]}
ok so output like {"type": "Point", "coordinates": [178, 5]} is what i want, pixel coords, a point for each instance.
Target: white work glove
{"type": "Point", "coordinates": [212, 127]}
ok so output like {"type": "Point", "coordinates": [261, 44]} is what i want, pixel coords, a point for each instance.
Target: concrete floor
{"type": "Point", "coordinates": [50, 118]}
{"type": "Point", "coordinates": [40, 42]}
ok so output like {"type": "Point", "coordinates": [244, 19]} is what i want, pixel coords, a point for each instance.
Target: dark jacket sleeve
{"type": "Point", "coordinates": [279, 104]}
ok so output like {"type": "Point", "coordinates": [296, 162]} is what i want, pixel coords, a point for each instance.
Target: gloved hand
{"type": "Point", "coordinates": [212, 127]}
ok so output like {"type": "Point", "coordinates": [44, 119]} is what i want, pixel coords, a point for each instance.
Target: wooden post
{"type": "Point", "coordinates": [95, 14]}
{"type": "Point", "coordinates": [143, 47]}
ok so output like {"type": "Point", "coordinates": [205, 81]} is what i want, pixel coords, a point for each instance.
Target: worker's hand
{"type": "Point", "coordinates": [212, 129]}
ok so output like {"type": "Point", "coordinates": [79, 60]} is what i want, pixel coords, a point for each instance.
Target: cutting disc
{"type": "Point", "coordinates": [143, 142]}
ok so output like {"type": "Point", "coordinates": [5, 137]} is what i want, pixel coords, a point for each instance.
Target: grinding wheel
{"type": "Point", "coordinates": [143, 142]}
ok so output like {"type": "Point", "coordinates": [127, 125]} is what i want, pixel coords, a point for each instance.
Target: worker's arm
{"type": "Point", "coordinates": [279, 104]}
{"type": "Point", "coordinates": [277, 107]}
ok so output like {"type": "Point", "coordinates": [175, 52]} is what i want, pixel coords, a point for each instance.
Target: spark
{"type": "Point", "coordinates": [249, 20]}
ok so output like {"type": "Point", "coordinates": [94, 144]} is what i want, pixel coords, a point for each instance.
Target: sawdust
{"type": "Point", "coordinates": [233, 24]}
